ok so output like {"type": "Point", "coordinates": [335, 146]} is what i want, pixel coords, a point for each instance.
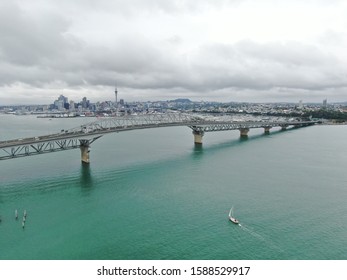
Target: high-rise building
{"type": "Point", "coordinates": [325, 103]}
{"type": "Point", "coordinates": [59, 104]}
{"type": "Point", "coordinates": [63, 98]}
{"type": "Point", "coordinates": [85, 103]}
{"type": "Point", "coordinates": [300, 104]}
{"type": "Point", "coordinates": [72, 106]}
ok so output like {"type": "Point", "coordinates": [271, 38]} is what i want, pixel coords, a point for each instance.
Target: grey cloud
{"type": "Point", "coordinates": [28, 40]}
{"type": "Point", "coordinates": [40, 51]}
{"type": "Point", "coordinates": [142, 65]}
{"type": "Point", "coordinates": [136, 7]}
{"type": "Point", "coordinates": [258, 66]}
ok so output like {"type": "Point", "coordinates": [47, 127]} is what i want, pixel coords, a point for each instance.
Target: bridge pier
{"type": "Point", "coordinates": [244, 132]}
{"type": "Point", "coordinates": [84, 147]}
{"type": "Point", "coordinates": [267, 129]}
{"type": "Point", "coordinates": [198, 136]}
{"type": "Point", "coordinates": [284, 127]}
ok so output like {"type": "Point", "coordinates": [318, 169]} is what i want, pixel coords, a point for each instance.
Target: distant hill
{"type": "Point", "coordinates": [182, 100]}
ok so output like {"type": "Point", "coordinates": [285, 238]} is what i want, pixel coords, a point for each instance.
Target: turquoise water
{"type": "Point", "coordinates": [151, 194]}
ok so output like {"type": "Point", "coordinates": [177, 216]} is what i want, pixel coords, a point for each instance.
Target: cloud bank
{"type": "Point", "coordinates": [211, 50]}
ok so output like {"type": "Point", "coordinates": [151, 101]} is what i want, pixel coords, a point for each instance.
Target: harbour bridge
{"type": "Point", "coordinates": [83, 136]}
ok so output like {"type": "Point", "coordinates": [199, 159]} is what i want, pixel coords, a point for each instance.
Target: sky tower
{"type": "Point", "coordinates": [116, 93]}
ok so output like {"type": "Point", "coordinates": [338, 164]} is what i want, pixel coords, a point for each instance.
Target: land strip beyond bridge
{"type": "Point", "coordinates": [83, 136]}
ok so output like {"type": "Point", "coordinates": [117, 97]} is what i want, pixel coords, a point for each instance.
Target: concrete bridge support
{"type": "Point", "coordinates": [198, 136]}
{"type": "Point", "coordinates": [84, 147]}
{"type": "Point", "coordinates": [284, 127]}
{"type": "Point", "coordinates": [267, 129]}
{"type": "Point", "coordinates": [244, 132]}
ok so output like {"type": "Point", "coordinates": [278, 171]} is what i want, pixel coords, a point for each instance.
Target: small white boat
{"type": "Point", "coordinates": [232, 218]}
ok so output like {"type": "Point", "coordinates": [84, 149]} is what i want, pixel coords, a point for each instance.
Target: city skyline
{"type": "Point", "coordinates": [61, 100]}
{"type": "Point", "coordinates": [224, 50]}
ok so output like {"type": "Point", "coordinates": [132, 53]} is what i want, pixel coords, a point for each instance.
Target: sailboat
{"type": "Point", "coordinates": [232, 218]}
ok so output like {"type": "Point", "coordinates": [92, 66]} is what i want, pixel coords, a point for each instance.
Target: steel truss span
{"type": "Point", "coordinates": [86, 134]}
{"type": "Point", "coordinates": [43, 147]}
{"type": "Point", "coordinates": [221, 126]}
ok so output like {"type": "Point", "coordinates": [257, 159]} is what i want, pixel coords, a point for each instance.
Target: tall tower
{"type": "Point", "coordinates": [116, 93]}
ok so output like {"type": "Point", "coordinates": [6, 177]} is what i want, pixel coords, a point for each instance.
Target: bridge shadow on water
{"type": "Point", "coordinates": [86, 178]}
{"type": "Point", "coordinates": [199, 149]}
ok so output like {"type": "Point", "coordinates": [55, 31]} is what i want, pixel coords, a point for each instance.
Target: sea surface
{"type": "Point", "coordinates": [153, 194]}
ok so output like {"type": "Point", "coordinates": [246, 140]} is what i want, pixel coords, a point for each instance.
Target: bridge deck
{"type": "Point", "coordinates": [71, 139]}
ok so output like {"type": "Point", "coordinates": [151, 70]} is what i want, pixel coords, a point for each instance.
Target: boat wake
{"type": "Point", "coordinates": [261, 238]}
{"type": "Point", "coordinates": [252, 232]}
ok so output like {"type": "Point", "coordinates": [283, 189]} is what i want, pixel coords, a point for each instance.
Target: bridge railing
{"type": "Point", "coordinates": [108, 125]}
{"type": "Point", "coordinates": [105, 125]}
{"type": "Point", "coordinates": [134, 120]}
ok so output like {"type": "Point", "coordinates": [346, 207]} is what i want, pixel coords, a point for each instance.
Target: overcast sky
{"type": "Point", "coordinates": [220, 50]}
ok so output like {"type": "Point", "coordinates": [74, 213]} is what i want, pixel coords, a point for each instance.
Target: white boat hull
{"type": "Point", "coordinates": [235, 221]}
